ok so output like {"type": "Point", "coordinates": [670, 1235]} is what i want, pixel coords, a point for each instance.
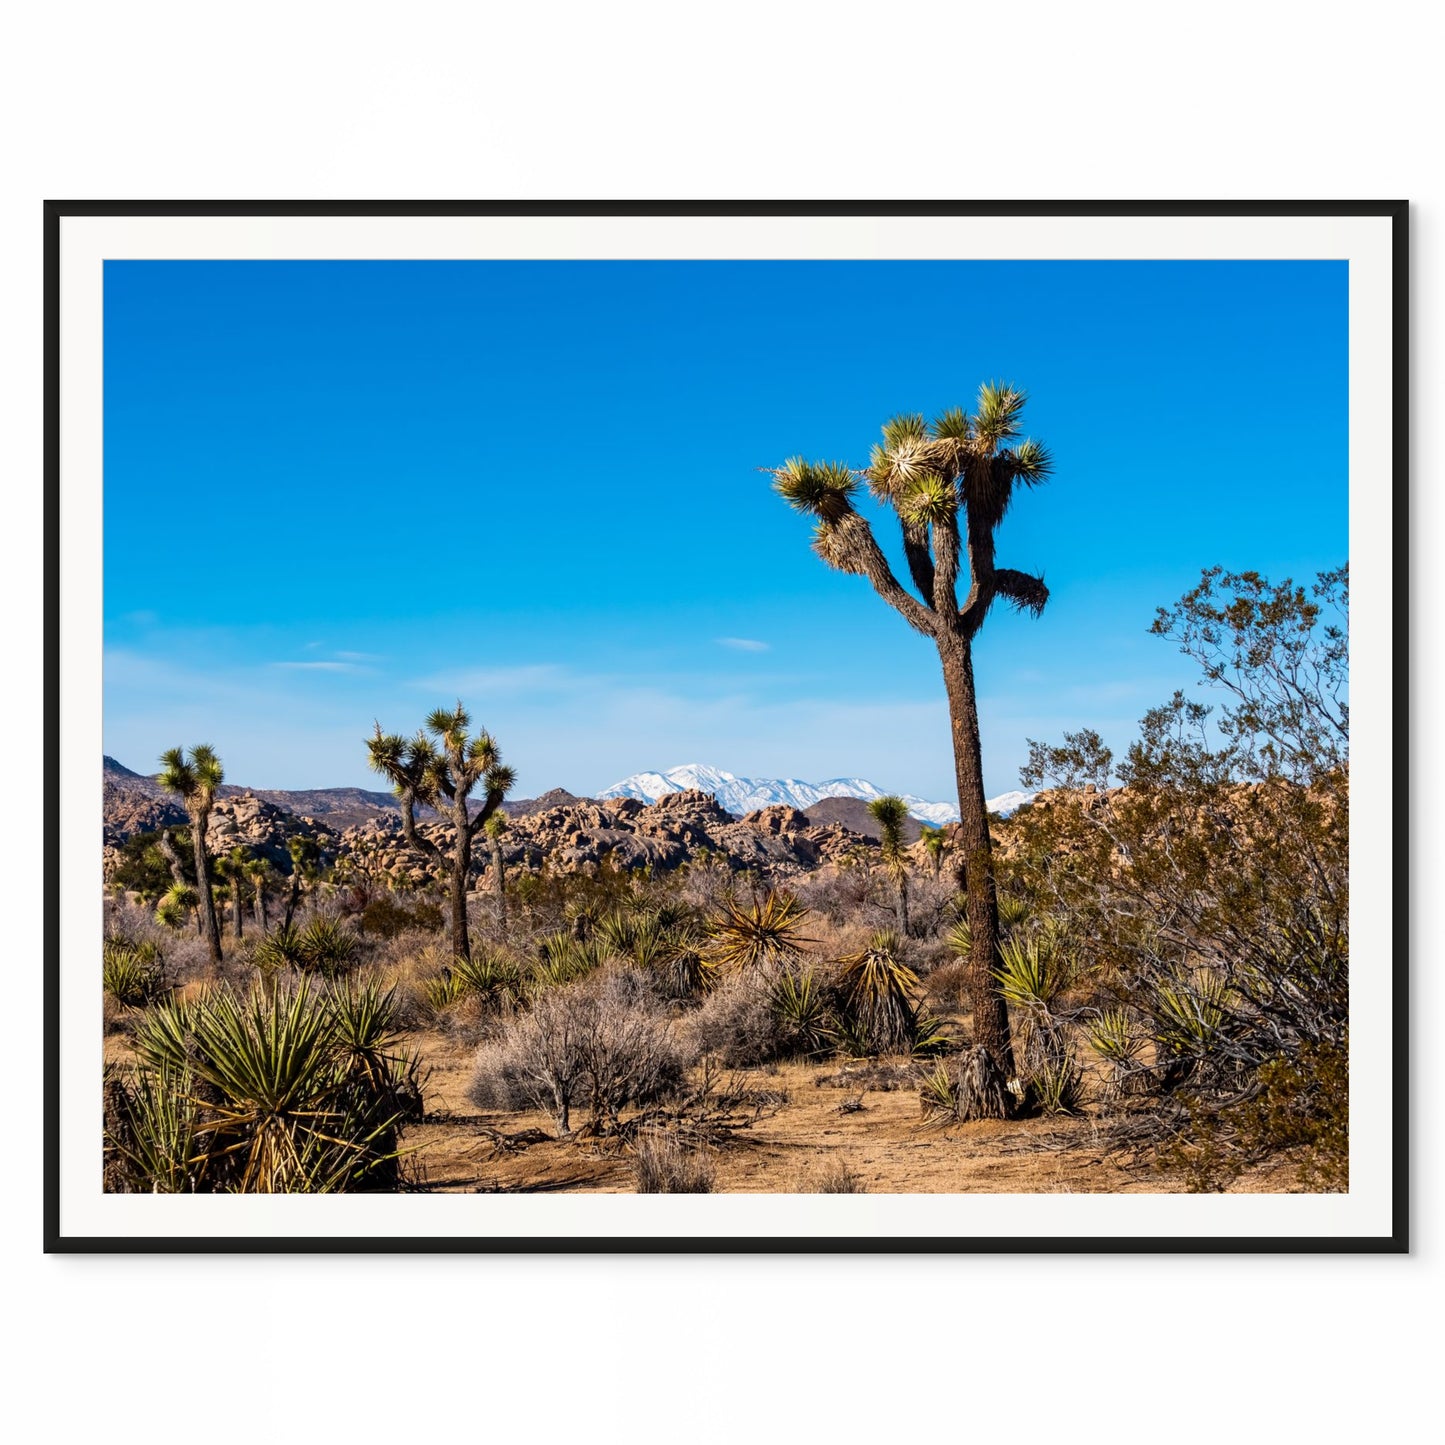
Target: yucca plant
{"type": "Point", "coordinates": [877, 993]}
{"type": "Point", "coordinates": [152, 1133]}
{"type": "Point", "coordinates": [440, 767]}
{"type": "Point", "coordinates": [760, 935]}
{"type": "Point", "coordinates": [1053, 1083]}
{"type": "Point", "coordinates": [297, 1091]}
{"type": "Point", "coordinates": [616, 930]}
{"type": "Point", "coordinates": [562, 959]}
{"type": "Point", "coordinates": [132, 974]}
{"type": "Point", "coordinates": [1032, 972]}
{"type": "Point", "coordinates": [891, 813]}
{"type": "Point", "coordinates": [1190, 1011]}
{"type": "Point", "coordinates": [492, 976]}
{"type": "Point", "coordinates": [280, 949]}
{"type": "Point", "coordinates": [444, 990]}
{"type": "Point", "coordinates": [325, 947]}
{"type": "Point", "coordinates": [799, 1003]}
{"type": "Point", "coordinates": [938, 1097]}
{"type": "Point", "coordinates": [367, 1040]}
{"type": "Point", "coordinates": [1013, 912]}
{"type": "Point", "coordinates": [1112, 1036]}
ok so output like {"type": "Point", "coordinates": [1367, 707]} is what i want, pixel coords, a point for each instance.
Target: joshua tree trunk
{"type": "Point", "coordinates": [237, 904]}
{"type": "Point", "coordinates": [294, 897]}
{"type": "Point", "coordinates": [210, 928]}
{"type": "Point", "coordinates": [903, 903]}
{"type": "Point", "coordinates": [500, 878]}
{"type": "Point", "coordinates": [975, 866]}
{"type": "Point", "coordinates": [261, 905]}
{"type": "Point", "coordinates": [461, 868]}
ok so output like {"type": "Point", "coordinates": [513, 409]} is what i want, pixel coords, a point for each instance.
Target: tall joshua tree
{"type": "Point", "coordinates": [195, 779]}
{"type": "Point", "coordinates": [949, 482]}
{"type": "Point", "coordinates": [440, 767]}
{"type": "Point", "coordinates": [890, 814]}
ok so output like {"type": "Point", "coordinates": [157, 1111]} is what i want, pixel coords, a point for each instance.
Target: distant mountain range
{"type": "Point", "coordinates": [342, 807]}
{"type": "Point", "coordinates": [744, 795]}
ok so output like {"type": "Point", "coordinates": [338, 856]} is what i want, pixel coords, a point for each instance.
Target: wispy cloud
{"type": "Point", "coordinates": [319, 666]}
{"type": "Point", "coordinates": [742, 644]}
{"type": "Point", "coordinates": [359, 656]}
{"type": "Point", "coordinates": [484, 682]}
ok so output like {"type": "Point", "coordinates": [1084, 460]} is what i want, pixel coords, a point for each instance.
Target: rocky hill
{"type": "Point", "coordinates": [579, 833]}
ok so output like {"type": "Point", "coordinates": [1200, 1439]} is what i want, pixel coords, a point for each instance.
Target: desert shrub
{"type": "Point", "coordinates": [280, 1091]}
{"type": "Point", "coordinates": [736, 1024]}
{"type": "Point", "coordinates": [604, 1041]}
{"type": "Point", "coordinates": [133, 974]}
{"type": "Point", "coordinates": [383, 917]}
{"type": "Point", "coordinates": [663, 1164]}
{"type": "Point", "coordinates": [836, 1176]}
{"type": "Point", "coordinates": [1210, 892]}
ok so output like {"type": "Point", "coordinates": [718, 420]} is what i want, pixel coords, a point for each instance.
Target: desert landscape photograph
{"type": "Point", "coordinates": [725, 727]}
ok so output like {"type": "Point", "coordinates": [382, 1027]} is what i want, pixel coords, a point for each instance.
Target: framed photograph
{"type": "Point", "coordinates": [726, 727]}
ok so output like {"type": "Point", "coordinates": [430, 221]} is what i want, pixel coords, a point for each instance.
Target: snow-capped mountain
{"type": "Point", "coordinates": [743, 795]}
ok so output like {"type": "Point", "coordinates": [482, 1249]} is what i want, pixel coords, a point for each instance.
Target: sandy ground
{"type": "Point", "coordinates": [799, 1138]}
{"type": "Point", "coordinates": [802, 1133]}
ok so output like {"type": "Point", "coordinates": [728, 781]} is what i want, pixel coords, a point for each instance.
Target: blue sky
{"type": "Point", "coordinates": [343, 491]}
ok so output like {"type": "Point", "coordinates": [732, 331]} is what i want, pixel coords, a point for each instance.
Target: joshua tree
{"type": "Point", "coordinates": [890, 814]}
{"type": "Point", "coordinates": [934, 840]}
{"type": "Point", "coordinates": [305, 856]}
{"type": "Point", "coordinates": [178, 901]}
{"type": "Point", "coordinates": [441, 770]}
{"type": "Point", "coordinates": [195, 779]}
{"type": "Point", "coordinates": [931, 475]}
{"type": "Point", "coordinates": [258, 870]}
{"type": "Point", "coordinates": [233, 868]}
{"type": "Point", "coordinates": [495, 827]}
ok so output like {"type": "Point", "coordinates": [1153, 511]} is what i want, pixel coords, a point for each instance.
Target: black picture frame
{"type": "Point", "coordinates": [1394, 212]}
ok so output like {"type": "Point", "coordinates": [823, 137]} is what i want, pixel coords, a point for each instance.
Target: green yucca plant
{"type": "Point", "coordinates": [1031, 972]}
{"type": "Point", "coordinates": [799, 1003]}
{"type": "Point", "coordinates": [492, 976]}
{"type": "Point", "coordinates": [152, 1129]}
{"type": "Point", "coordinates": [562, 959]}
{"type": "Point", "coordinates": [274, 1092]}
{"type": "Point", "coordinates": [877, 992]}
{"type": "Point", "coordinates": [1013, 912]}
{"type": "Point", "coordinates": [1112, 1036]}
{"type": "Point", "coordinates": [757, 935]}
{"type": "Point", "coordinates": [1190, 1011]}
{"type": "Point", "coordinates": [960, 938]}
{"type": "Point", "coordinates": [938, 1097]}
{"type": "Point", "coordinates": [280, 949]}
{"type": "Point", "coordinates": [132, 974]}
{"type": "Point", "coordinates": [325, 947]}
{"type": "Point", "coordinates": [1054, 1083]}
{"type": "Point", "coordinates": [444, 990]}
